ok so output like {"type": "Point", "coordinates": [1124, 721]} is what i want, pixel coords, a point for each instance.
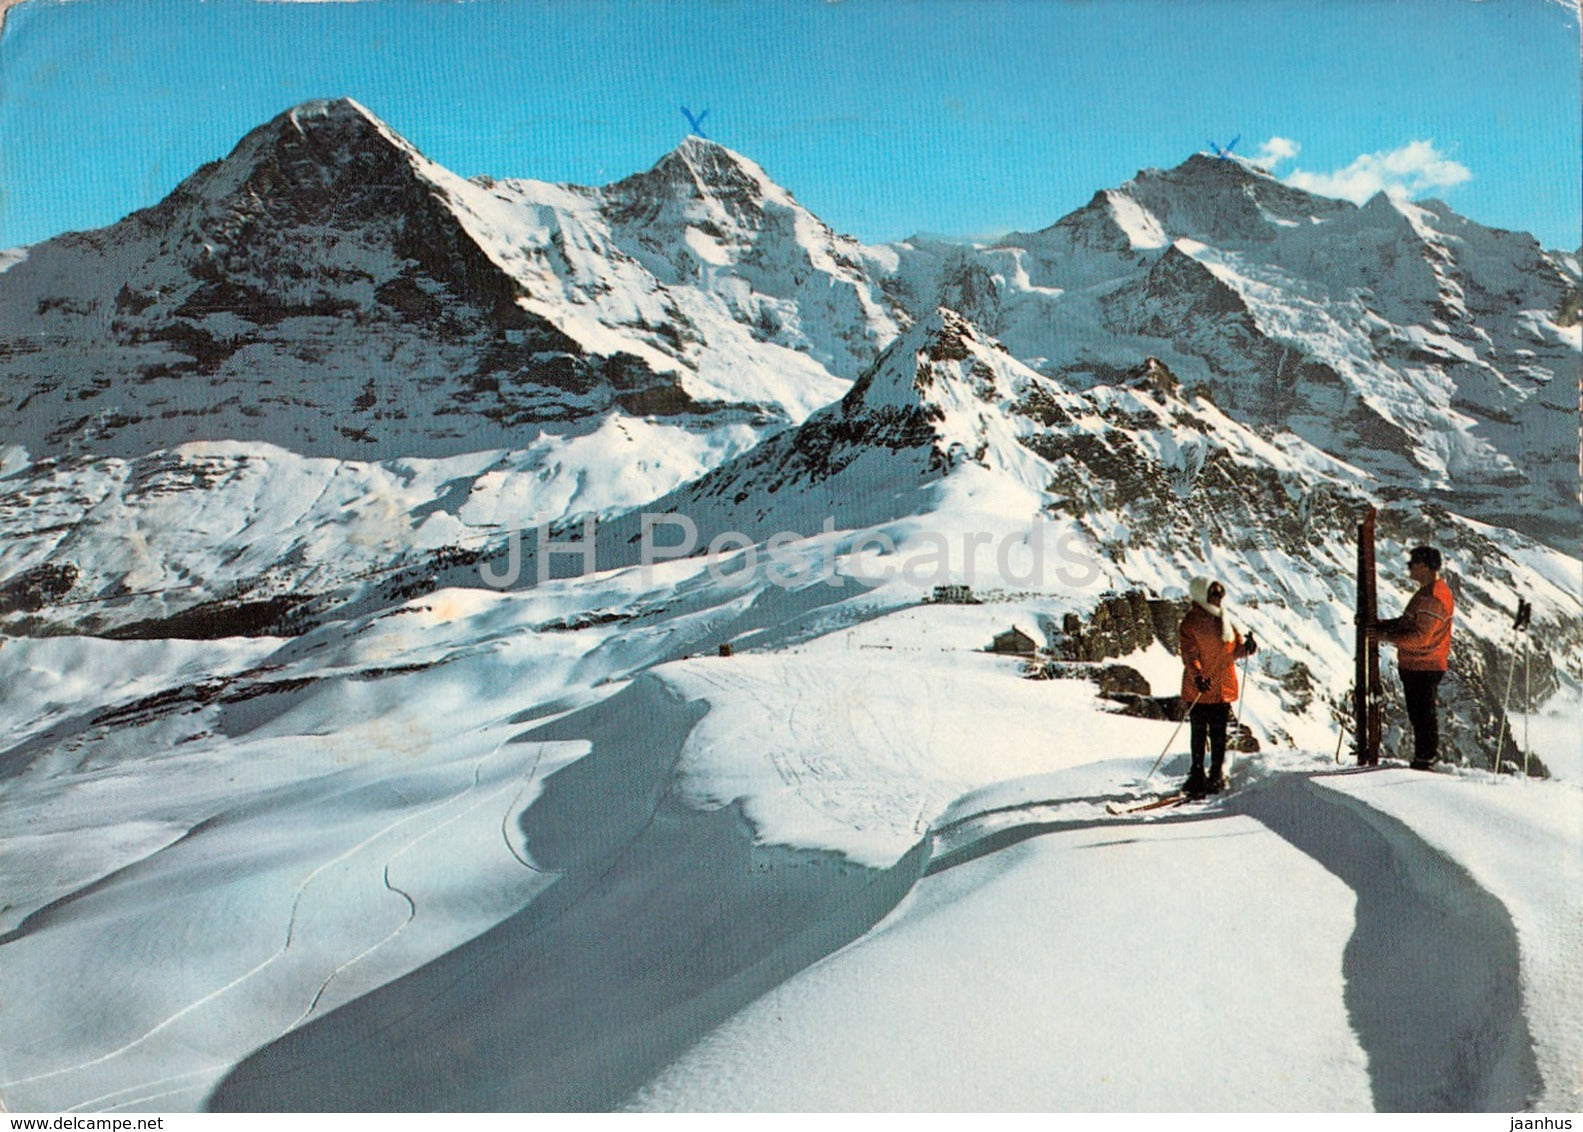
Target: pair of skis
{"type": "Point", "coordinates": [1165, 801]}
{"type": "Point", "coordinates": [1367, 691]}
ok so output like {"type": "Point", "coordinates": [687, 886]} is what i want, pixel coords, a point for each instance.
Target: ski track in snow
{"type": "Point", "coordinates": [121, 1096]}
{"type": "Point", "coordinates": [412, 906]}
{"type": "Point", "coordinates": [664, 920]}
{"type": "Point", "coordinates": [821, 732]}
{"type": "Point", "coordinates": [135, 1095]}
{"type": "Point", "coordinates": [505, 818]}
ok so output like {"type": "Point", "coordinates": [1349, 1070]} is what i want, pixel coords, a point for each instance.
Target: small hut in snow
{"type": "Point", "coordinates": [1013, 642]}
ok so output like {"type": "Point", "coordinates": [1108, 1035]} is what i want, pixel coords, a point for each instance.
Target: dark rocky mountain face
{"type": "Point", "coordinates": [694, 174]}
{"type": "Point", "coordinates": [325, 179]}
{"type": "Point", "coordinates": [1154, 475]}
{"type": "Point", "coordinates": [317, 289]}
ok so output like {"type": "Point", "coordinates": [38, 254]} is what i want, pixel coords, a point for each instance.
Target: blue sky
{"type": "Point", "coordinates": [885, 117]}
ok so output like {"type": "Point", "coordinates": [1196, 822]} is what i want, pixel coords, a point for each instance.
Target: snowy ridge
{"type": "Point", "coordinates": [1402, 336]}
{"type": "Point", "coordinates": [948, 439]}
{"type": "Point", "coordinates": [152, 536]}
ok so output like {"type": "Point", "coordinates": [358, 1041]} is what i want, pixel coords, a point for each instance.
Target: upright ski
{"type": "Point", "coordinates": [1366, 683]}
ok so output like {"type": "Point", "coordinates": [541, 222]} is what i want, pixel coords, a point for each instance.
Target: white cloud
{"type": "Point", "coordinates": [1273, 152]}
{"type": "Point", "coordinates": [1404, 173]}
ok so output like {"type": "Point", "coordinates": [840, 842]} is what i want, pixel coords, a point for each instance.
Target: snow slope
{"type": "Point", "coordinates": [341, 863]}
{"type": "Point", "coordinates": [1005, 985]}
{"type": "Point", "coordinates": [174, 529]}
{"type": "Point", "coordinates": [340, 866]}
{"type": "Point", "coordinates": [1517, 843]}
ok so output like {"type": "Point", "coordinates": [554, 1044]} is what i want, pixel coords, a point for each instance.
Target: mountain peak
{"type": "Point", "coordinates": [700, 169]}
{"type": "Point", "coordinates": [703, 153]}
{"type": "Point", "coordinates": [1211, 176]}
{"type": "Point", "coordinates": [1201, 165]}
{"type": "Point", "coordinates": [947, 334]}
{"type": "Point", "coordinates": [341, 120]}
{"type": "Point", "coordinates": [340, 123]}
{"type": "Point", "coordinates": [329, 110]}
{"type": "Point", "coordinates": [1224, 202]}
{"type": "Point", "coordinates": [943, 359]}
{"type": "Point", "coordinates": [698, 146]}
{"type": "Point", "coordinates": [317, 152]}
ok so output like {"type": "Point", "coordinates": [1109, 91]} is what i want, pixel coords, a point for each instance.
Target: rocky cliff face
{"type": "Point", "coordinates": [327, 289]}
{"type": "Point", "coordinates": [1434, 352]}
{"type": "Point", "coordinates": [948, 433]}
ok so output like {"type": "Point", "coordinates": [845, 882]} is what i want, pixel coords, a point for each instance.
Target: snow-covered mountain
{"type": "Point", "coordinates": [1436, 353]}
{"type": "Point", "coordinates": [949, 438]}
{"type": "Point", "coordinates": [449, 359]}
{"type": "Point", "coordinates": [363, 812]}
{"type": "Point", "coordinates": [327, 289]}
{"type": "Point", "coordinates": [1178, 367]}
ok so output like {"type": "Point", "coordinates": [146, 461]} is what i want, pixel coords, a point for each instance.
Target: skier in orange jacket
{"type": "Point", "coordinates": [1210, 647]}
{"type": "Point", "coordinates": [1422, 636]}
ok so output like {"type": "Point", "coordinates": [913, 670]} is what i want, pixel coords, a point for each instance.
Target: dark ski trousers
{"type": "Point", "coordinates": [1419, 690]}
{"type": "Point", "coordinates": [1209, 728]}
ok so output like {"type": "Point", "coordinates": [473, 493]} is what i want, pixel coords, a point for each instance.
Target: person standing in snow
{"type": "Point", "coordinates": [1210, 647]}
{"type": "Point", "coordinates": [1422, 636]}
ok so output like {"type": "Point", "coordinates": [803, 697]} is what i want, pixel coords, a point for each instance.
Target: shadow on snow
{"type": "Point", "coordinates": [663, 922]}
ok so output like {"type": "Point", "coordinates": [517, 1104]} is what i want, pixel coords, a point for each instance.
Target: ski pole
{"type": "Point", "coordinates": [1341, 733]}
{"type": "Point", "coordinates": [1528, 652]}
{"type": "Point", "coordinates": [1174, 734]}
{"type": "Point", "coordinates": [1243, 698]}
{"type": "Point", "coordinates": [1500, 741]}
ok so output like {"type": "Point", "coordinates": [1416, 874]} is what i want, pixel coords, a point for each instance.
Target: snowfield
{"type": "Point", "coordinates": [871, 870]}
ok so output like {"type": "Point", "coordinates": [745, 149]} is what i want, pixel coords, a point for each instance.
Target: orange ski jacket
{"type": "Point", "coordinates": [1422, 634]}
{"type": "Point", "coordinates": [1205, 653]}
